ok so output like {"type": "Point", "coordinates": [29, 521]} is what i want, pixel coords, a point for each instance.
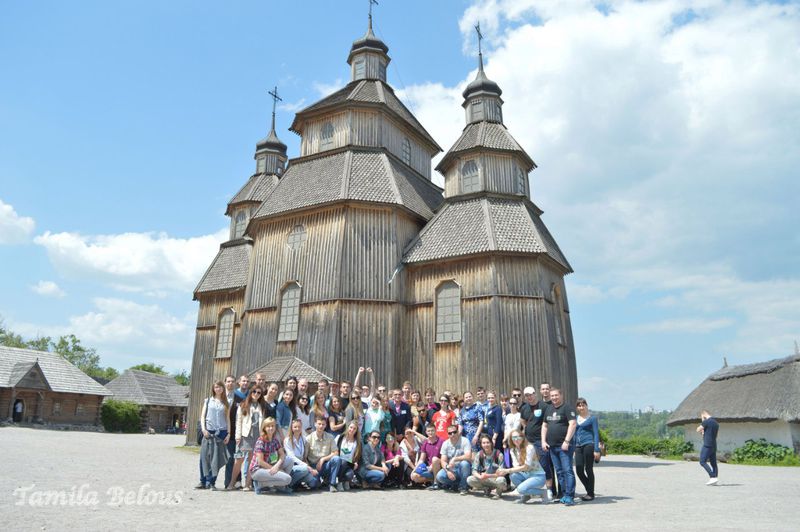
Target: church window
{"type": "Point", "coordinates": [407, 151]}
{"type": "Point", "coordinates": [382, 70]}
{"type": "Point", "coordinates": [469, 177]}
{"type": "Point", "coordinates": [261, 165]}
{"type": "Point", "coordinates": [296, 237]}
{"type": "Point", "coordinates": [360, 69]}
{"type": "Point", "coordinates": [521, 178]}
{"type": "Point", "coordinates": [225, 334]}
{"type": "Point", "coordinates": [326, 138]}
{"type": "Point", "coordinates": [289, 313]}
{"type": "Point", "coordinates": [477, 110]}
{"type": "Point", "coordinates": [240, 224]}
{"type": "Point", "coordinates": [558, 318]}
{"type": "Point", "coordinates": [448, 312]}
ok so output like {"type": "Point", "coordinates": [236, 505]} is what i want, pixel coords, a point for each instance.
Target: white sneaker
{"type": "Point", "coordinates": [712, 481]}
{"type": "Point", "coordinates": [514, 493]}
{"type": "Point", "coordinates": [339, 486]}
{"type": "Point", "coordinates": [547, 497]}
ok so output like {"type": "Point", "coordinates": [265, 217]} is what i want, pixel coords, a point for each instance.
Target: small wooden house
{"type": "Point", "coordinates": [349, 255]}
{"type": "Point", "coordinates": [163, 401]}
{"type": "Point", "coordinates": [43, 387]}
{"type": "Point", "coordinates": [749, 401]}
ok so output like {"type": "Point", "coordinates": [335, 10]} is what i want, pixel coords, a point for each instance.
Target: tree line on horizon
{"type": "Point", "coordinates": [85, 358]}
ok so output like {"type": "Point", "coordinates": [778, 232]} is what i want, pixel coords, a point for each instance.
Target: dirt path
{"type": "Point", "coordinates": [72, 480]}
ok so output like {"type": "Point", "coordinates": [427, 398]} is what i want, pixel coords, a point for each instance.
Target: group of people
{"type": "Point", "coordinates": [358, 434]}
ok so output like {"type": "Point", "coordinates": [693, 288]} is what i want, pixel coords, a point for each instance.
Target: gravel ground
{"type": "Point", "coordinates": [89, 481]}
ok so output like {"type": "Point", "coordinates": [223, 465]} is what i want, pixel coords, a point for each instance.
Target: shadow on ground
{"type": "Point", "coordinates": [635, 465]}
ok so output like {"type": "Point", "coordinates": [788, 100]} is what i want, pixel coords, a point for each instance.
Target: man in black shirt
{"type": "Point", "coordinates": [531, 416]}
{"type": "Point", "coordinates": [558, 429]}
{"type": "Point", "coordinates": [709, 428]}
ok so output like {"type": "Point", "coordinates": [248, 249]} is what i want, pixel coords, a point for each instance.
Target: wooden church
{"type": "Point", "coordinates": [349, 255]}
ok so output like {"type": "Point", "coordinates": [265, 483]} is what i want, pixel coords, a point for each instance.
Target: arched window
{"type": "Point", "coordinates": [326, 137]}
{"type": "Point", "coordinates": [407, 151]}
{"type": "Point", "coordinates": [240, 223]}
{"type": "Point", "coordinates": [469, 177]}
{"type": "Point", "coordinates": [558, 316]}
{"type": "Point", "coordinates": [477, 110]}
{"type": "Point", "coordinates": [225, 334]}
{"type": "Point", "coordinates": [296, 237]}
{"type": "Point", "coordinates": [522, 177]}
{"type": "Point", "coordinates": [289, 313]}
{"type": "Point", "coordinates": [448, 312]}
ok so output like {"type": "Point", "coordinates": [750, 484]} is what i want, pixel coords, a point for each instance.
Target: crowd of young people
{"type": "Point", "coordinates": [361, 435]}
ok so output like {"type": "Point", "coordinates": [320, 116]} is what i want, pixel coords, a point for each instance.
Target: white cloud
{"type": "Point", "coordinates": [126, 333]}
{"type": "Point", "coordinates": [140, 262]}
{"type": "Point", "coordinates": [683, 325]}
{"type": "Point", "coordinates": [325, 89]}
{"type": "Point", "coordinates": [48, 289]}
{"type": "Point", "coordinates": [14, 229]}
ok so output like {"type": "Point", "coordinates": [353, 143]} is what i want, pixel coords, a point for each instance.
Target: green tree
{"type": "Point", "coordinates": [182, 378]}
{"type": "Point", "coordinates": [9, 339]}
{"type": "Point", "coordinates": [69, 347]}
{"type": "Point", "coordinates": [41, 343]}
{"type": "Point", "coordinates": [150, 368]}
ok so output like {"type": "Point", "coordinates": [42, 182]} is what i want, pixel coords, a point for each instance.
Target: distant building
{"type": "Point", "coordinates": [750, 401]}
{"type": "Point", "coordinates": [42, 387]}
{"type": "Point", "coordinates": [162, 400]}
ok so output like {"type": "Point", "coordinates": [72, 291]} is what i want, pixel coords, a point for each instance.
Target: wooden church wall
{"type": "Point", "coordinates": [497, 174]}
{"type": "Point", "coordinates": [508, 328]}
{"type": "Point", "coordinates": [393, 136]}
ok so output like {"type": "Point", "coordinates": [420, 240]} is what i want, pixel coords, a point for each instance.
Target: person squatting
{"type": "Point", "coordinates": [343, 436]}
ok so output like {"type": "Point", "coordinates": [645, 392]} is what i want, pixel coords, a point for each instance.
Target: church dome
{"type": "Point", "coordinates": [271, 142]}
{"type": "Point", "coordinates": [481, 83]}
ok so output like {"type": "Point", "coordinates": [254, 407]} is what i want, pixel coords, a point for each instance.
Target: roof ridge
{"type": "Point", "coordinates": [356, 89]}
{"type": "Point", "coordinates": [381, 95]}
{"type": "Point", "coordinates": [445, 205]}
{"type": "Point", "coordinates": [489, 223]}
{"type": "Point", "coordinates": [347, 172]}
{"type": "Point", "coordinates": [387, 167]}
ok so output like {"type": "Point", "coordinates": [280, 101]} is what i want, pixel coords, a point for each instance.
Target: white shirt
{"type": "Point", "coordinates": [512, 422]}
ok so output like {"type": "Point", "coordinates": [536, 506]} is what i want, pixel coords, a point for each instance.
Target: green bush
{"type": "Point", "coordinates": [763, 452]}
{"type": "Point", "coordinates": [120, 416]}
{"type": "Point", "coordinates": [641, 445]}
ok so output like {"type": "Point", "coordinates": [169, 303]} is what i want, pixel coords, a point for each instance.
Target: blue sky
{"type": "Point", "coordinates": [666, 135]}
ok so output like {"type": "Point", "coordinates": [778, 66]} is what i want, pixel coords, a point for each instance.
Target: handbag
{"type": "Point", "coordinates": [421, 468]}
{"type": "Point", "coordinates": [200, 427]}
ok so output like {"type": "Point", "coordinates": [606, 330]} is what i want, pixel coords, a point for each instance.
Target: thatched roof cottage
{"type": "Point", "coordinates": [750, 401]}
{"type": "Point", "coordinates": [163, 401]}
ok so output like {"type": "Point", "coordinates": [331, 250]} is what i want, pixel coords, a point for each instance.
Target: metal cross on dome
{"type": "Point", "coordinates": [275, 100]}
{"type": "Point", "coordinates": [371, 3]}
{"type": "Point", "coordinates": [480, 37]}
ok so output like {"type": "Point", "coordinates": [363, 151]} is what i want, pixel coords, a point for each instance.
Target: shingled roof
{"type": "Point", "coordinates": [281, 368]}
{"type": "Point", "coordinates": [357, 175]}
{"type": "Point", "coordinates": [480, 225]}
{"type": "Point", "coordinates": [60, 374]}
{"type": "Point", "coordinates": [148, 389]}
{"type": "Point", "coordinates": [485, 135]}
{"type": "Point", "coordinates": [765, 391]}
{"type": "Point", "coordinates": [368, 91]}
{"type": "Point", "coordinates": [229, 269]}
{"type": "Point", "coordinates": [255, 190]}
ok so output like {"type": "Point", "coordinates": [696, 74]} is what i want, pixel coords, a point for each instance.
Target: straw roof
{"type": "Point", "coordinates": [766, 391]}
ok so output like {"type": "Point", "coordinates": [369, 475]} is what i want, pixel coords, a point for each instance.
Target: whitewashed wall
{"type": "Point", "coordinates": [733, 435]}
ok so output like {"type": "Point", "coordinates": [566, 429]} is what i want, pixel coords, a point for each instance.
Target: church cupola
{"type": "Point", "coordinates": [482, 100]}
{"type": "Point", "coordinates": [368, 57]}
{"type": "Point", "coordinates": [270, 151]}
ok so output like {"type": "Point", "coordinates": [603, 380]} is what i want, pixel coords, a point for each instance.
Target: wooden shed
{"type": "Point", "coordinates": [349, 255]}
{"type": "Point", "coordinates": [163, 401]}
{"type": "Point", "coordinates": [750, 401]}
{"type": "Point", "coordinates": [48, 388]}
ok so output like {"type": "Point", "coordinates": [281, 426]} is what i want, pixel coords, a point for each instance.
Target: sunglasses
{"type": "Point", "coordinates": [256, 393]}
{"type": "Point", "coordinates": [374, 437]}
{"type": "Point", "coordinates": [516, 395]}
{"type": "Point", "coordinates": [452, 432]}
{"type": "Point", "coordinates": [513, 403]}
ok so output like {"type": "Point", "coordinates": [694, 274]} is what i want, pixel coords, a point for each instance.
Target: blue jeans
{"type": "Point", "coordinates": [562, 460]}
{"type": "Point", "coordinates": [544, 460]}
{"type": "Point", "coordinates": [529, 483]}
{"type": "Point", "coordinates": [212, 479]}
{"type": "Point", "coordinates": [300, 473]}
{"type": "Point", "coordinates": [330, 470]}
{"type": "Point", "coordinates": [373, 477]}
{"type": "Point", "coordinates": [461, 471]}
{"type": "Point", "coordinates": [707, 454]}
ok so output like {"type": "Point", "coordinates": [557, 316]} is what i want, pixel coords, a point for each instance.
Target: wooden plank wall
{"type": "Point", "coordinates": [362, 127]}
{"type": "Point", "coordinates": [497, 173]}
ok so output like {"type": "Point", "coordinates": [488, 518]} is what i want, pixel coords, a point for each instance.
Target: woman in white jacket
{"type": "Point", "coordinates": [248, 420]}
